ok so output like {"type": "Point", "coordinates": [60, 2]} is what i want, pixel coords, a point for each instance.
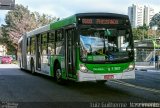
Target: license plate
{"type": "Point", "coordinates": [106, 77]}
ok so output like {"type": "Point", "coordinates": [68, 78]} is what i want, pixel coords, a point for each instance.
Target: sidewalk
{"type": "Point", "coordinates": [147, 68]}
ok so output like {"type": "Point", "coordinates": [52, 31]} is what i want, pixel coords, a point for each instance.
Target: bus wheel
{"type": "Point", "coordinates": [20, 66]}
{"type": "Point", "coordinates": [58, 74]}
{"type": "Point", "coordinates": [101, 81]}
{"type": "Point", "coordinates": [32, 68]}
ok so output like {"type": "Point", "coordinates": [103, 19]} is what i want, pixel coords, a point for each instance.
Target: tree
{"type": "Point", "coordinates": [155, 20]}
{"type": "Point", "coordinates": [141, 32]}
{"type": "Point", "coordinates": [144, 29]}
{"type": "Point", "coordinates": [137, 34]}
{"type": "Point", "coordinates": [19, 21]}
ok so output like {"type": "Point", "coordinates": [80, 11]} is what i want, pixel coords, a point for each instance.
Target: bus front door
{"type": "Point", "coordinates": [70, 55]}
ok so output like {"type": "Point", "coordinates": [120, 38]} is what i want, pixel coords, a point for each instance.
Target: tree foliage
{"type": "Point", "coordinates": [141, 32]}
{"type": "Point", "coordinates": [19, 21]}
{"type": "Point", "coordinates": [136, 34]}
{"type": "Point", "coordinates": [155, 20]}
{"type": "Point", "coordinates": [146, 31]}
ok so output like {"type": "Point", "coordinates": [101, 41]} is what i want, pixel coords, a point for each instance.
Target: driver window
{"type": "Point", "coordinates": [123, 39]}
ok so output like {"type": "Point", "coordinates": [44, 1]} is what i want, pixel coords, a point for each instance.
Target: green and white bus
{"type": "Point", "coordinates": [82, 47]}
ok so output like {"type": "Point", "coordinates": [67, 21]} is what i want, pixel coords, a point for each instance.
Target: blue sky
{"type": "Point", "coordinates": [64, 8]}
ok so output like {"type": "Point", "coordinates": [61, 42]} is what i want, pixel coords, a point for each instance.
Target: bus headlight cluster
{"type": "Point", "coordinates": [131, 67]}
{"type": "Point", "coordinates": [83, 68]}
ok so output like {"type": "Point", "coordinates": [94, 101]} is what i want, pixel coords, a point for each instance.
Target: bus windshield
{"type": "Point", "coordinates": [105, 44]}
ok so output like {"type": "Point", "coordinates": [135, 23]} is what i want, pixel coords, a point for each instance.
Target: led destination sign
{"type": "Point", "coordinates": [106, 21]}
{"type": "Point", "coordinates": [101, 21]}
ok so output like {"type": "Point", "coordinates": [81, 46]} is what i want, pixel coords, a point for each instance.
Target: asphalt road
{"type": "Point", "coordinates": [23, 90]}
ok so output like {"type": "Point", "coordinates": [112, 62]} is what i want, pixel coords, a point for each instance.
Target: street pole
{"type": "Point", "coordinates": [154, 56]}
{"type": "Point", "coordinates": [155, 27]}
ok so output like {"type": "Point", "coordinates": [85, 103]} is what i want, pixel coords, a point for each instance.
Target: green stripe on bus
{"type": "Point", "coordinates": [63, 22]}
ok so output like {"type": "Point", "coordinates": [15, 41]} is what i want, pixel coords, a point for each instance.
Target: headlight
{"type": "Point", "coordinates": [83, 68]}
{"type": "Point", "coordinates": [131, 67]}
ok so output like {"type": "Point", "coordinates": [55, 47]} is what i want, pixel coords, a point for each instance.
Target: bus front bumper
{"type": "Point", "coordinates": [93, 77]}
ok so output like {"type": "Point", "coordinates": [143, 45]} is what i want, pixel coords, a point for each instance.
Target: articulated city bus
{"type": "Point", "coordinates": [82, 47]}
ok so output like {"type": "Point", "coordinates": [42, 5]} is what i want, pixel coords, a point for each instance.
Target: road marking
{"type": "Point", "coordinates": [9, 66]}
{"type": "Point", "coordinates": [135, 86]}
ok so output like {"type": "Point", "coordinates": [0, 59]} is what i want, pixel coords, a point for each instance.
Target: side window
{"type": "Point", "coordinates": [38, 40]}
{"type": "Point", "coordinates": [32, 45]}
{"type": "Point", "coordinates": [28, 46]}
{"type": "Point", "coordinates": [20, 47]}
{"type": "Point", "coordinates": [123, 39]}
{"type": "Point", "coordinates": [51, 43]}
{"type": "Point", "coordinates": [44, 43]}
{"type": "Point", "coordinates": [59, 42]}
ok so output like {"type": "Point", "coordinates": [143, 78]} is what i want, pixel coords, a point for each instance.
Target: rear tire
{"type": "Point", "coordinates": [32, 67]}
{"type": "Point", "coordinates": [20, 64]}
{"type": "Point", "coordinates": [58, 74]}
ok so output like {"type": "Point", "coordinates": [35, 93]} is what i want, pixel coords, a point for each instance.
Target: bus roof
{"type": "Point", "coordinates": [102, 14]}
{"type": "Point", "coordinates": [63, 22]}
{"type": "Point", "coordinates": [38, 30]}
{"type": "Point", "coordinates": [71, 20]}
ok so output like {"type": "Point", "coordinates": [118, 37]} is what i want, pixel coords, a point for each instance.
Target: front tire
{"type": "Point", "coordinates": [101, 81]}
{"type": "Point", "coordinates": [58, 74]}
{"type": "Point", "coordinates": [32, 68]}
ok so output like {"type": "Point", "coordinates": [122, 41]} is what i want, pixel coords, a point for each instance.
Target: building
{"type": "Point", "coordinates": [135, 13]}
{"type": "Point", "coordinates": [148, 14]}
{"type": "Point", "coordinates": [3, 50]}
{"type": "Point", "coordinates": [140, 15]}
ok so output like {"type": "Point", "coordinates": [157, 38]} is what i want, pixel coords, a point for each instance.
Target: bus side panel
{"type": "Point", "coordinates": [24, 52]}
{"type": "Point", "coordinates": [78, 62]}
{"type": "Point", "coordinates": [28, 62]}
{"type": "Point", "coordinates": [61, 61]}
{"type": "Point", "coordinates": [45, 68]}
{"type": "Point", "coordinates": [52, 66]}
